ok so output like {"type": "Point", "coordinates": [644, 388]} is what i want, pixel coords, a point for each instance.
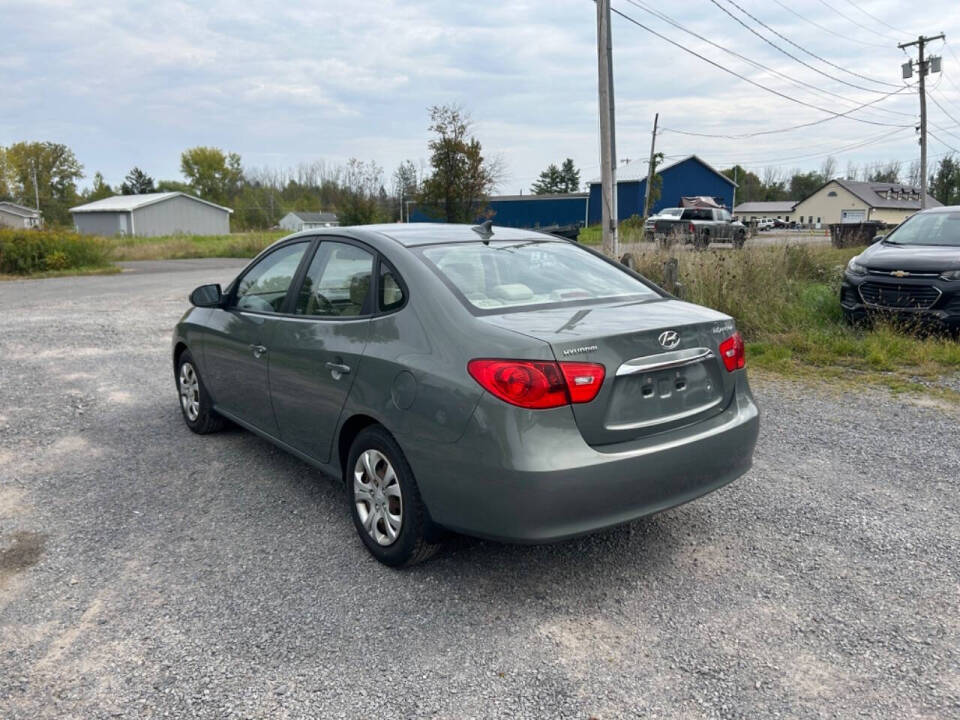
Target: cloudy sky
{"type": "Point", "coordinates": [134, 83]}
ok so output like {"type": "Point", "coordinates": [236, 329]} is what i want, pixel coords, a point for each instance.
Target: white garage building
{"type": "Point", "coordinates": [151, 214]}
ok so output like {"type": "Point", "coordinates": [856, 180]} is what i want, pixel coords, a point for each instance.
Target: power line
{"type": "Point", "coordinates": [674, 23]}
{"type": "Point", "coordinates": [743, 136]}
{"type": "Point", "coordinates": [871, 15]}
{"type": "Point", "coordinates": [791, 55]}
{"type": "Point", "coordinates": [942, 142]}
{"type": "Point", "coordinates": [945, 112]}
{"type": "Point", "coordinates": [828, 30]}
{"type": "Point", "coordinates": [755, 83]}
{"type": "Point", "coordinates": [836, 151]}
{"type": "Point", "coordinates": [852, 21]}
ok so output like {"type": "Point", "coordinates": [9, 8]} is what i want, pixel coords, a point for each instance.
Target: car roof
{"type": "Point", "coordinates": [941, 209]}
{"type": "Point", "coordinates": [413, 234]}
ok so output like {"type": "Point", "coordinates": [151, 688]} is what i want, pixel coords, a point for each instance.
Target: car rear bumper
{"type": "Point", "coordinates": [528, 476]}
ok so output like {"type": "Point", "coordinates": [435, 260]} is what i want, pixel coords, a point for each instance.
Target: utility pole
{"type": "Point", "coordinates": [608, 148]}
{"type": "Point", "coordinates": [653, 144]}
{"type": "Point", "coordinates": [922, 68]}
{"type": "Point", "coordinates": [36, 190]}
{"type": "Point", "coordinates": [735, 180]}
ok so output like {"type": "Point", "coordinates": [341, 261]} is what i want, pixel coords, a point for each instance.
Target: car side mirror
{"type": "Point", "coordinates": [878, 238]}
{"type": "Point", "coordinates": [207, 296]}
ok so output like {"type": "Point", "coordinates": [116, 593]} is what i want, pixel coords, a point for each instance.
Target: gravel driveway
{"type": "Point", "coordinates": [148, 572]}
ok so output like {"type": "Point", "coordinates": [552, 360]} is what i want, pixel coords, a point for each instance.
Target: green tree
{"type": "Point", "coordinates": [562, 179]}
{"type": "Point", "coordinates": [137, 182]}
{"type": "Point", "coordinates": [100, 190]}
{"type": "Point", "coordinates": [803, 185]}
{"type": "Point", "coordinates": [461, 178]}
{"type": "Point", "coordinates": [945, 182]}
{"type": "Point", "coordinates": [56, 170]}
{"type": "Point", "coordinates": [211, 173]}
{"type": "Point", "coordinates": [362, 193]}
{"type": "Point", "coordinates": [749, 185]}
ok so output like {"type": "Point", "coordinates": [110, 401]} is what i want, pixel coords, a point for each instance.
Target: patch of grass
{"type": "Point", "coordinates": [36, 252]}
{"type": "Point", "coordinates": [785, 300]}
{"type": "Point", "coordinates": [108, 270]}
{"type": "Point", "coordinates": [175, 247]}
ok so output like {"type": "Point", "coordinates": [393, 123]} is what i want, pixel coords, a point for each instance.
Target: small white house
{"type": "Point", "coordinates": [298, 220]}
{"type": "Point", "coordinates": [18, 216]}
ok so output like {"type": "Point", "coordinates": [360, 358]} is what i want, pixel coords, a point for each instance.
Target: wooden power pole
{"type": "Point", "coordinates": [608, 147]}
{"type": "Point", "coordinates": [922, 63]}
{"type": "Point", "coordinates": [650, 168]}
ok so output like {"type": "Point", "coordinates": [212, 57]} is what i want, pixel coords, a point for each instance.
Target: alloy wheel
{"type": "Point", "coordinates": [377, 496]}
{"type": "Point", "coordinates": [189, 391]}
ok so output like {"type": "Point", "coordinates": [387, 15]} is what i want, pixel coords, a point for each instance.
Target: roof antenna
{"type": "Point", "coordinates": [484, 229]}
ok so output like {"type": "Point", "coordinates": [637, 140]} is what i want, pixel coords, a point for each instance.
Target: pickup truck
{"type": "Point", "coordinates": [664, 214]}
{"type": "Point", "coordinates": [701, 226]}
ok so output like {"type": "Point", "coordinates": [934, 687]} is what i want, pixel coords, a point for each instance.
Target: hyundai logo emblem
{"type": "Point", "coordinates": [669, 339]}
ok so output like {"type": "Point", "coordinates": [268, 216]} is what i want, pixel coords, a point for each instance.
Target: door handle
{"type": "Point", "coordinates": [337, 369]}
{"type": "Point", "coordinates": [258, 350]}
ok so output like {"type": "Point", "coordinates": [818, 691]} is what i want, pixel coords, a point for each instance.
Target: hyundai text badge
{"type": "Point", "coordinates": [669, 339]}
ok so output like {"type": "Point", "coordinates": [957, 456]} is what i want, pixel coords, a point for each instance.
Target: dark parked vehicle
{"type": "Point", "coordinates": [913, 272]}
{"type": "Point", "coordinates": [701, 226]}
{"type": "Point", "coordinates": [497, 382]}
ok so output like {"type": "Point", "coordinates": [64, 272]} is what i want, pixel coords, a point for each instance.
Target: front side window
{"type": "Point", "coordinates": [337, 283]}
{"type": "Point", "coordinates": [510, 275]}
{"type": "Point", "coordinates": [264, 287]}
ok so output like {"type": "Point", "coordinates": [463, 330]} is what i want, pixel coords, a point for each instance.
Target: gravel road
{"type": "Point", "coordinates": [148, 572]}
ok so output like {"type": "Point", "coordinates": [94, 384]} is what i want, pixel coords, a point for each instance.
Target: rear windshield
{"type": "Point", "coordinates": [671, 212]}
{"type": "Point", "coordinates": [940, 228]}
{"type": "Point", "coordinates": [511, 275]}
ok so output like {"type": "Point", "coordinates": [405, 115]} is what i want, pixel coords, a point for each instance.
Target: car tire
{"type": "Point", "coordinates": [740, 239]}
{"type": "Point", "coordinates": [385, 502]}
{"type": "Point", "coordinates": [195, 403]}
{"type": "Point", "coordinates": [701, 241]}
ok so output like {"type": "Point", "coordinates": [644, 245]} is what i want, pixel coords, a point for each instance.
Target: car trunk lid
{"type": "Point", "coordinates": [663, 366]}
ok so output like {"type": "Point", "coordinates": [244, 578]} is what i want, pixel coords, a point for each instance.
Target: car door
{"type": "Point", "coordinates": [316, 351]}
{"type": "Point", "coordinates": [236, 350]}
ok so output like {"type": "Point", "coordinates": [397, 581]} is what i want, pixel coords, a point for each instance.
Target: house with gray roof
{"type": "Point", "coordinates": [853, 201]}
{"type": "Point", "coordinates": [298, 220]}
{"type": "Point", "coordinates": [152, 214]}
{"type": "Point", "coordinates": [13, 215]}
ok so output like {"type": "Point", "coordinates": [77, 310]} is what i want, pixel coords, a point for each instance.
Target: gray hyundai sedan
{"type": "Point", "coordinates": [497, 382]}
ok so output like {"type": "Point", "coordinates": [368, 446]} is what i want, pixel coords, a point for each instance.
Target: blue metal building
{"type": "Point", "coordinates": [683, 178]}
{"type": "Point", "coordinates": [688, 177]}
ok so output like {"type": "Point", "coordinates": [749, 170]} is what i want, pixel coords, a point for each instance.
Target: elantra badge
{"type": "Point", "coordinates": [669, 339]}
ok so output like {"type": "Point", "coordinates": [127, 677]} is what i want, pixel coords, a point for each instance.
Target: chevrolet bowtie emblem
{"type": "Point", "coordinates": [900, 273]}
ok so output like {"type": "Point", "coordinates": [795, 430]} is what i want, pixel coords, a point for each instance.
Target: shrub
{"type": "Point", "coordinates": [23, 252]}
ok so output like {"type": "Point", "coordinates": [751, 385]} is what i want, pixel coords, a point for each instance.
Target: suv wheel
{"type": "Point", "coordinates": [385, 502]}
{"type": "Point", "coordinates": [195, 403]}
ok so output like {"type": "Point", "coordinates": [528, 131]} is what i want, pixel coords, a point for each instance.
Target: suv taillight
{"type": "Point", "coordinates": [538, 384]}
{"type": "Point", "coordinates": [692, 228]}
{"type": "Point", "coordinates": [732, 352]}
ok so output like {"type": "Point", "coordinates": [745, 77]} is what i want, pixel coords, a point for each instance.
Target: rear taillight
{"type": "Point", "coordinates": [538, 384]}
{"type": "Point", "coordinates": [583, 380]}
{"type": "Point", "coordinates": [691, 227]}
{"type": "Point", "coordinates": [731, 350]}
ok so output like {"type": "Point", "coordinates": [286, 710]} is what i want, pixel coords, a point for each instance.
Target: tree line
{"type": "Point", "coordinates": [453, 186]}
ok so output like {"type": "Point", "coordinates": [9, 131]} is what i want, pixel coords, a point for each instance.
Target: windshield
{"type": "Point", "coordinates": [938, 228]}
{"type": "Point", "coordinates": [510, 275]}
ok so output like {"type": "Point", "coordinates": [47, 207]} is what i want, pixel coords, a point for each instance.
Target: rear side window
{"type": "Point", "coordinates": [391, 292]}
{"type": "Point", "coordinates": [264, 287]}
{"type": "Point", "coordinates": [337, 284]}
{"type": "Point", "coordinates": [512, 275]}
